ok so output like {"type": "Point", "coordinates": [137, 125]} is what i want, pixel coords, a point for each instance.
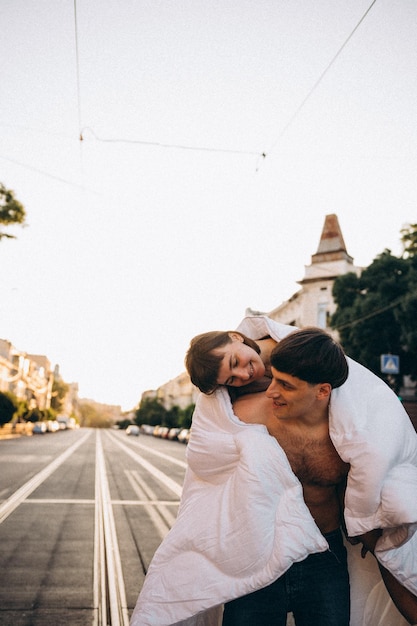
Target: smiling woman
{"type": "Point", "coordinates": [240, 363]}
{"type": "Point", "coordinates": [229, 358]}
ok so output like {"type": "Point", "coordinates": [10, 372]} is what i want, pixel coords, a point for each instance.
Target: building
{"type": "Point", "coordinates": [177, 392]}
{"type": "Point", "coordinates": [313, 304]}
{"type": "Point", "coordinates": [28, 376]}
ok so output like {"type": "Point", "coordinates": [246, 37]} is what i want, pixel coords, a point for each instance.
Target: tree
{"type": "Point", "coordinates": [35, 415]}
{"type": "Point", "coordinates": [185, 416]}
{"type": "Point", "coordinates": [11, 210]}
{"type": "Point", "coordinates": [124, 423]}
{"type": "Point", "coordinates": [152, 412]}
{"type": "Point", "coordinates": [409, 240]}
{"type": "Point", "coordinates": [8, 408]}
{"type": "Point", "coordinates": [365, 315]}
{"type": "Point", "coordinates": [406, 312]}
{"type": "Point", "coordinates": [59, 392]}
{"type": "Point", "coordinates": [376, 312]}
{"type": "Point", "coordinates": [94, 416]}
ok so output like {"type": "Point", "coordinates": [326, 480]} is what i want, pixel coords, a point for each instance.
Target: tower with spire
{"type": "Point", "coordinates": [313, 304]}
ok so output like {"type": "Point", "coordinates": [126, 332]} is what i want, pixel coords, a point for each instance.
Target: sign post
{"type": "Point", "coordinates": [390, 364]}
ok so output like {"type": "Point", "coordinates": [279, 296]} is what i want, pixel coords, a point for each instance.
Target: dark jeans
{"type": "Point", "coordinates": [315, 590]}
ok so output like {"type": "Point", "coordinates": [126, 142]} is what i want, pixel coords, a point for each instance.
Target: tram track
{"type": "Point", "coordinates": [109, 589]}
{"type": "Point", "coordinates": [158, 511]}
{"type": "Point", "coordinates": [104, 600]}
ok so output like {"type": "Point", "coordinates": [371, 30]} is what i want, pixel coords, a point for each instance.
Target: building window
{"type": "Point", "coordinates": [322, 315]}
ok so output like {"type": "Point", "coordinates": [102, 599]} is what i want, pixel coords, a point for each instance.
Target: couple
{"type": "Point", "coordinates": [245, 518]}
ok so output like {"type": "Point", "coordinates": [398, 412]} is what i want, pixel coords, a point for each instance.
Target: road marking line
{"type": "Point", "coordinates": [162, 455]}
{"type": "Point", "coordinates": [119, 614]}
{"type": "Point", "coordinates": [9, 505]}
{"type": "Point", "coordinates": [158, 514]}
{"type": "Point", "coordinates": [163, 478]}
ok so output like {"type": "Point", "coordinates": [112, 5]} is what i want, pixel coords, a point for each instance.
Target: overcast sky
{"type": "Point", "coordinates": [165, 221]}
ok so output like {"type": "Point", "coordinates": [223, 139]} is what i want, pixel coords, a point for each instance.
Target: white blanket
{"type": "Point", "coordinates": [243, 521]}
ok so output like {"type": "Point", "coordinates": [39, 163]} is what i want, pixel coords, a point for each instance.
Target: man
{"type": "Point", "coordinates": [233, 359]}
{"type": "Point", "coordinates": [243, 521]}
{"type": "Point", "coordinates": [317, 589]}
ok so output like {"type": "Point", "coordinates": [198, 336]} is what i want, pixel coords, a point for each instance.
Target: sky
{"type": "Point", "coordinates": [133, 131]}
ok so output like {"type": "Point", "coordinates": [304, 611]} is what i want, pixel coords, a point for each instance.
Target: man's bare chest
{"type": "Point", "coordinates": [313, 459]}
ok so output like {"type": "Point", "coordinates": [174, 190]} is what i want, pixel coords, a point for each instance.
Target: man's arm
{"type": "Point", "coordinates": [404, 600]}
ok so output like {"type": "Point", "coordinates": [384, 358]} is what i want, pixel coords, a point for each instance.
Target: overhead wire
{"type": "Point", "coordinates": [318, 81]}
{"type": "Point", "coordinates": [138, 141]}
{"type": "Point", "coordinates": [53, 176]}
{"type": "Point", "coordinates": [166, 145]}
{"type": "Point", "coordinates": [259, 154]}
{"type": "Point", "coordinates": [374, 313]}
{"type": "Point", "coordinates": [77, 68]}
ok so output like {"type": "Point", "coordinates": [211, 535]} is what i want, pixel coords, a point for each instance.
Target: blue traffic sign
{"type": "Point", "coordinates": [390, 364]}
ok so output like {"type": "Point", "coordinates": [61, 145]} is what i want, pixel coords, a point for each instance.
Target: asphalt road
{"type": "Point", "coordinates": [81, 515]}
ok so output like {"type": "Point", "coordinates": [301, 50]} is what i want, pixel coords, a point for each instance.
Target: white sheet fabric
{"type": "Point", "coordinates": [243, 521]}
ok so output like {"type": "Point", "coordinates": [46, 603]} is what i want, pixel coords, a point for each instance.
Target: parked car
{"type": "Point", "coordinates": [160, 431]}
{"type": "Point", "coordinates": [147, 429]}
{"type": "Point", "coordinates": [66, 423]}
{"type": "Point", "coordinates": [52, 426]}
{"type": "Point", "coordinates": [133, 430]}
{"type": "Point", "coordinates": [39, 428]}
{"type": "Point", "coordinates": [173, 433]}
{"type": "Point", "coordinates": [184, 435]}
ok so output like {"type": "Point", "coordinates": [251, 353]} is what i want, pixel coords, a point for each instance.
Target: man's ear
{"type": "Point", "coordinates": [236, 337]}
{"type": "Point", "coordinates": [324, 391]}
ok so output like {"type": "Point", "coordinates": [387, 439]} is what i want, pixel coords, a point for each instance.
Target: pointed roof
{"type": "Point", "coordinates": [332, 246]}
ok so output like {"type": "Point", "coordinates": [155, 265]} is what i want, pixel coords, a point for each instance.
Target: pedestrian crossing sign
{"type": "Point", "coordinates": [390, 364]}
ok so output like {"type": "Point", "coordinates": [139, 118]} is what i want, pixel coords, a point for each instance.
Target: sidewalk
{"type": "Point", "coordinates": [11, 431]}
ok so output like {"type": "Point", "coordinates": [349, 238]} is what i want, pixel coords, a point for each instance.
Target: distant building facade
{"type": "Point", "coordinates": [28, 376]}
{"type": "Point", "coordinates": [313, 304]}
{"type": "Point", "coordinates": [176, 392]}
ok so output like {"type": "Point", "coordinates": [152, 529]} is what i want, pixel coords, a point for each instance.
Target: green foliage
{"type": "Point", "coordinates": [185, 416]}
{"type": "Point", "coordinates": [50, 414]}
{"type": "Point", "coordinates": [376, 312]}
{"type": "Point", "coordinates": [406, 318]}
{"type": "Point", "coordinates": [123, 424]}
{"type": "Point", "coordinates": [37, 415]}
{"type": "Point", "coordinates": [11, 210]}
{"type": "Point", "coordinates": [409, 240]}
{"type": "Point", "coordinates": [59, 392]}
{"type": "Point", "coordinates": [8, 407]}
{"type": "Point", "coordinates": [93, 416]}
{"type": "Point", "coordinates": [22, 409]}
{"type": "Point", "coordinates": [152, 412]}
{"type": "Point", "coordinates": [172, 417]}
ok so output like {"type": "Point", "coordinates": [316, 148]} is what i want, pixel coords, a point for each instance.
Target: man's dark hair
{"type": "Point", "coordinates": [203, 365]}
{"type": "Point", "coordinates": [312, 355]}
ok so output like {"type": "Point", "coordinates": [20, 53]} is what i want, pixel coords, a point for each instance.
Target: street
{"type": "Point", "coordinates": [81, 515]}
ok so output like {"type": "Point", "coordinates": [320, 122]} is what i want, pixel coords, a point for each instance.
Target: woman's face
{"type": "Point", "coordinates": [240, 364]}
